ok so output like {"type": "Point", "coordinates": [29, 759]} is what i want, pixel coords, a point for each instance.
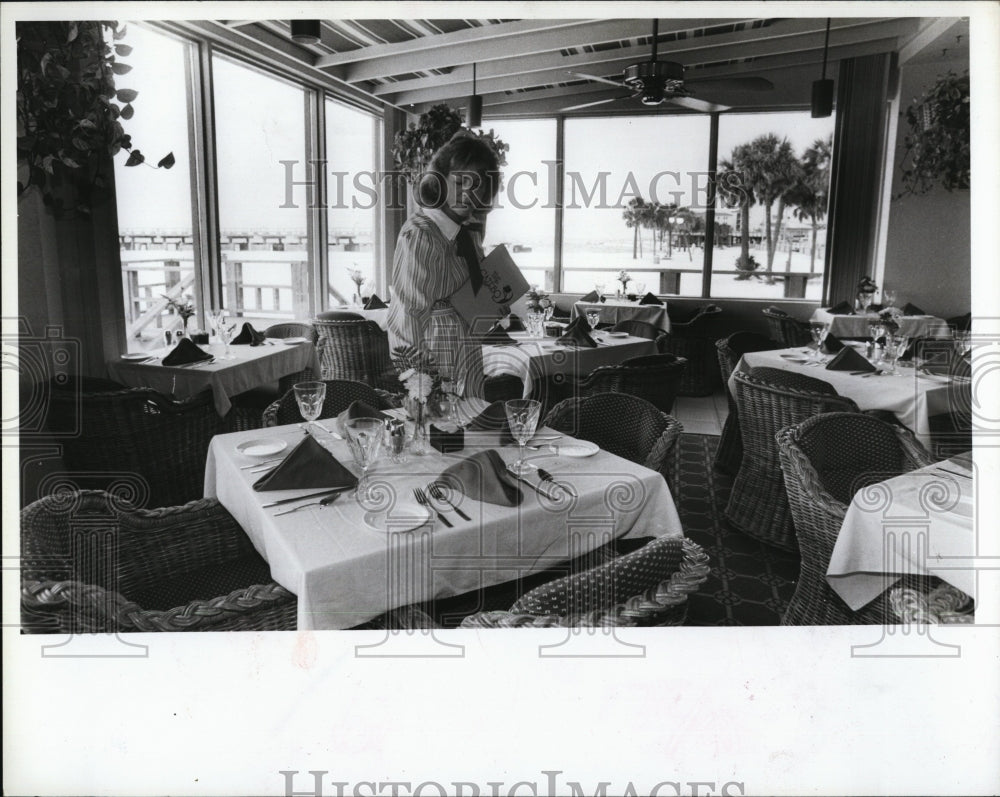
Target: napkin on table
{"type": "Point", "coordinates": [515, 324]}
{"type": "Point", "coordinates": [484, 477]}
{"type": "Point", "coordinates": [493, 419]}
{"type": "Point", "coordinates": [849, 360]}
{"type": "Point", "coordinates": [248, 335]}
{"type": "Point", "coordinates": [186, 352]}
{"type": "Point", "coordinates": [841, 308]}
{"type": "Point", "coordinates": [590, 297]}
{"type": "Point", "coordinates": [498, 336]}
{"type": "Point", "coordinates": [832, 344]}
{"type": "Point", "coordinates": [912, 309]}
{"type": "Point", "coordinates": [650, 299]}
{"type": "Point", "coordinates": [359, 409]}
{"type": "Point", "coordinates": [375, 303]}
{"type": "Point", "coordinates": [576, 336]}
{"type": "Point", "coordinates": [308, 466]}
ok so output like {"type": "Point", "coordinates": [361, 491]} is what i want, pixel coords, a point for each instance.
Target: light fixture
{"type": "Point", "coordinates": [474, 116]}
{"type": "Point", "coordinates": [822, 91]}
{"type": "Point", "coordinates": [305, 31]}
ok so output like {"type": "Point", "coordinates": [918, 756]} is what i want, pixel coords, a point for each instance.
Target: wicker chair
{"type": "Point", "coordinates": [340, 394]}
{"type": "Point", "coordinates": [653, 377]}
{"type": "Point", "coordinates": [825, 460]}
{"type": "Point", "coordinates": [503, 387]}
{"type": "Point", "coordinates": [339, 315]}
{"type": "Point", "coordinates": [729, 454]}
{"type": "Point", "coordinates": [690, 337]}
{"type": "Point", "coordinates": [293, 329]}
{"type": "Point", "coordinates": [110, 437]}
{"type": "Point", "coordinates": [648, 587]}
{"type": "Point", "coordinates": [356, 350]}
{"type": "Point", "coordinates": [943, 605]}
{"type": "Point", "coordinates": [625, 425]}
{"type": "Point", "coordinates": [757, 504]}
{"type": "Point", "coordinates": [93, 563]}
{"type": "Point", "coordinates": [786, 329]}
{"type": "Point", "coordinates": [639, 329]}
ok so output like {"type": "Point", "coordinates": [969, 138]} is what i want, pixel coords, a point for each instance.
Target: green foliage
{"type": "Point", "coordinates": [69, 109]}
{"type": "Point", "coordinates": [937, 148]}
{"type": "Point", "coordinates": [747, 267]}
{"type": "Point", "coordinates": [413, 148]}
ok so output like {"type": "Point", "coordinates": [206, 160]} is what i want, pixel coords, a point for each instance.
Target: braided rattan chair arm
{"type": "Point", "coordinates": [684, 327]}
{"type": "Point", "coordinates": [270, 416]}
{"type": "Point", "coordinates": [805, 477]}
{"type": "Point", "coordinates": [498, 619]}
{"type": "Point", "coordinates": [943, 605]}
{"type": "Point", "coordinates": [662, 447]}
{"type": "Point", "coordinates": [918, 456]}
{"type": "Point", "coordinates": [824, 402]}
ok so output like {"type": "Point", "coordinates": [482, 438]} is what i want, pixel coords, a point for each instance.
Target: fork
{"type": "Point", "coordinates": [423, 500]}
{"type": "Point", "coordinates": [436, 491]}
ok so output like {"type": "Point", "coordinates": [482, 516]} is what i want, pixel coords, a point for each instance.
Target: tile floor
{"type": "Point", "coordinates": [703, 414]}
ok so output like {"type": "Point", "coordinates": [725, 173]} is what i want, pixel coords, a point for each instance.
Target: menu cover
{"type": "Point", "coordinates": [503, 283]}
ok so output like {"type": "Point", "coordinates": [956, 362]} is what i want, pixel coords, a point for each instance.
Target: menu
{"type": "Point", "coordinates": [503, 283]}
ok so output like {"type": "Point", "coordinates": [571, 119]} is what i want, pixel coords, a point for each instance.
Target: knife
{"type": "Point", "coordinates": [534, 487]}
{"type": "Point", "coordinates": [322, 502]}
{"type": "Point", "coordinates": [304, 497]}
{"type": "Point", "coordinates": [545, 476]}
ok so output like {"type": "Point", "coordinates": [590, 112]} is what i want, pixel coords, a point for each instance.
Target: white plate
{"type": "Point", "coordinates": [404, 516]}
{"type": "Point", "coordinates": [577, 448]}
{"type": "Point", "coordinates": [261, 448]}
{"type": "Point", "coordinates": [136, 356]}
{"type": "Point", "coordinates": [293, 341]}
{"type": "Point", "coordinates": [617, 334]}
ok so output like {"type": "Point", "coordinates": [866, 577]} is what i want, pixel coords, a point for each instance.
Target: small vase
{"type": "Point", "coordinates": [536, 324]}
{"type": "Point", "coordinates": [417, 411]}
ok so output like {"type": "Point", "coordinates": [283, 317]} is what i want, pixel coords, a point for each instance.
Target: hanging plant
{"type": "Point", "coordinates": [68, 109]}
{"type": "Point", "coordinates": [937, 146]}
{"type": "Point", "coordinates": [413, 148]}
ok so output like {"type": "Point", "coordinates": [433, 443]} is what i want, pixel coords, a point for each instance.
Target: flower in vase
{"type": "Point", "coordinates": [889, 319]}
{"type": "Point", "coordinates": [537, 300]}
{"type": "Point", "coordinates": [624, 278]}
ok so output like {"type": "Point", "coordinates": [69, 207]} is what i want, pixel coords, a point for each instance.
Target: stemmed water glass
{"type": "Point", "coordinates": [522, 417]}
{"type": "Point", "coordinates": [593, 318]}
{"type": "Point", "coordinates": [226, 330]}
{"type": "Point", "coordinates": [215, 319]}
{"type": "Point", "coordinates": [599, 287]}
{"type": "Point", "coordinates": [895, 347]}
{"type": "Point", "coordinates": [364, 436]}
{"type": "Point", "coordinates": [640, 290]}
{"type": "Point", "coordinates": [819, 333]}
{"type": "Point", "coordinates": [309, 396]}
{"type": "Point", "coordinates": [888, 297]}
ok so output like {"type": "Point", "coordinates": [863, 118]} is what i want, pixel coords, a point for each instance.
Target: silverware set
{"type": "Point", "coordinates": [322, 504]}
{"type": "Point", "coordinates": [423, 500]}
{"type": "Point", "coordinates": [436, 491]}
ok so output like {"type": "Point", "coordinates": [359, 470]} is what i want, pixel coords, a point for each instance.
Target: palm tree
{"type": "Point", "coordinates": [734, 192]}
{"type": "Point", "coordinates": [812, 193]}
{"type": "Point", "coordinates": [634, 214]}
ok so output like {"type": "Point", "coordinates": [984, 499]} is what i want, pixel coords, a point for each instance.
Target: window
{"type": "Point", "coordinates": [260, 122]}
{"type": "Point", "coordinates": [789, 245]}
{"type": "Point", "coordinates": [634, 194]}
{"type": "Point", "coordinates": [352, 153]}
{"type": "Point", "coordinates": [154, 207]}
{"type": "Point", "coordinates": [524, 215]}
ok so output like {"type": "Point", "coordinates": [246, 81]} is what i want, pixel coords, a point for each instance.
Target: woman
{"type": "Point", "coordinates": [438, 248]}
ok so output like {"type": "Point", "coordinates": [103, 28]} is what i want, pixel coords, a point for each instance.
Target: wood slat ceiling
{"type": "Point", "coordinates": [533, 66]}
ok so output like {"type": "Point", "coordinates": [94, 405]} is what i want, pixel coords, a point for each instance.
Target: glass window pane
{"type": "Point", "coordinates": [792, 179]}
{"type": "Point", "coordinates": [154, 206]}
{"type": "Point", "coordinates": [352, 139]}
{"type": "Point", "coordinates": [524, 215]}
{"type": "Point", "coordinates": [259, 122]}
{"type": "Point", "coordinates": [612, 162]}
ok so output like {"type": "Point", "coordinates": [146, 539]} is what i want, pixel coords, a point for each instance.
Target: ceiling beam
{"type": "Point", "coordinates": [926, 36]}
{"type": "Point", "coordinates": [759, 48]}
{"type": "Point", "coordinates": [574, 34]}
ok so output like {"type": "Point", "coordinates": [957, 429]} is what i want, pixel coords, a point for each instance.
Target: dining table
{"type": "Point", "coordinates": [365, 555]}
{"type": "Point", "coordinates": [911, 394]}
{"type": "Point", "coordinates": [919, 523]}
{"type": "Point", "coordinates": [612, 311]}
{"type": "Point", "coordinates": [851, 325]}
{"type": "Point", "coordinates": [249, 367]}
{"type": "Point", "coordinates": [379, 315]}
{"type": "Point", "coordinates": [533, 359]}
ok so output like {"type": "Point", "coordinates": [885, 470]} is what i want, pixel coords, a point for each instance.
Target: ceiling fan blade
{"type": "Point", "coordinates": [747, 83]}
{"type": "Point", "coordinates": [697, 105]}
{"type": "Point", "coordinates": [599, 102]}
{"type": "Point", "coordinates": [617, 83]}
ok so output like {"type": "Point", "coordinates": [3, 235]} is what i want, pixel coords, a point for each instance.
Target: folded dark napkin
{"type": "Point", "coordinates": [493, 419]}
{"type": "Point", "coordinates": [515, 324]}
{"type": "Point", "coordinates": [580, 322]}
{"type": "Point", "coordinates": [375, 303]}
{"type": "Point", "coordinates": [248, 335]}
{"type": "Point", "coordinates": [841, 308]}
{"type": "Point", "coordinates": [484, 477]}
{"type": "Point", "coordinates": [360, 409]}
{"type": "Point", "coordinates": [849, 360]}
{"type": "Point", "coordinates": [498, 336]}
{"type": "Point", "coordinates": [186, 352]}
{"type": "Point", "coordinates": [590, 297]}
{"type": "Point", "coordinates": [649, 299]}
{"type": "Point", "coordinates": [576, 336]}
{"type": "Point", "coordinates": [308, 466]}
{"type": "Point", "coordinates": [912, 309]}
{"type": "Point", "coordinates": [832, 344]}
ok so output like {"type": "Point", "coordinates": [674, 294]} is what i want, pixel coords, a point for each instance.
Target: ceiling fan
{"type": "Point", "coordinates": [656, 82]}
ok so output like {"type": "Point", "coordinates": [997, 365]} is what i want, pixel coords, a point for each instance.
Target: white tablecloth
{"type": "Point", "coordinates": [614, 310]}
{"type": "Point", "coordinates": [910, 396]}
{"type": "Point", "coordinates": [344, 572]}
{"type": "Point", "coordinates": [918, 523]}
{"type": "Point", "coordinates": [856, 326]}
{"type": "Point", "coordinates": [251, 367]}
{"type": "Point", "coordinates": [535, 358]}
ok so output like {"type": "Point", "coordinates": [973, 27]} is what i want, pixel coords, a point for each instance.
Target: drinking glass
{"type": "Point", "coordinates": [640, 289]}
{"type": "Point", "coordinates": [819, 333]}
{"type": "Point", "coordinates": [888, 297]}
{"type": "Point", "coordinates": [599, 287]}
{"type": "Point", "coordinates": [309, 396]}
{"type": "Point", "coordinates": [226, 331]}
{"type": "Point", "coordinates": [593, 318]}
{"type": "Point", "coordinates": [215, 318]}
{"type": "Point", "coordinates": [364, 436]}
{"type": "Point", "coordinates": [876, 331]}
{"type": "Point", "coordinates": [962, 343]}
{"type": "Point", "coordinates": [548, 311]}
{"type": "Point", "coordinates": [522, 417]}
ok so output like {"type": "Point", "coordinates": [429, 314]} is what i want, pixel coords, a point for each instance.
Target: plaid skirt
{"type": "Point", "coordinates": [459, 357]}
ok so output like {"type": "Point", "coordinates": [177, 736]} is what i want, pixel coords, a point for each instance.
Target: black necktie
{"type": "Point", "coordinates": [467, 250]}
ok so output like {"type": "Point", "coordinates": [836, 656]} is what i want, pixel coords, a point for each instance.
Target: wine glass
{"type": "Point", "coordinates": [364, 436]}
{"type": "Point", "coordinates": [889, 297]}
{"type": "Point", "coordinates": [593, 318]}
{"type": "Point", "coordinates": [226, 331]}
{"type": "Point", "coordinates": [962, 342]}
{"type": "Point", "coordinates": [895, 347]}
{"type": "Point", "coordinates": [599, 287]}
{"type": "Point", "coordinates": [640, 289]}
{"type": "Point", "coordinates": [819, 333]}
{"type": "Point", "coordinates": [876, 331]}
{"type": "Point", "coordinates": [309, 396]}
{"type": "Point", "coordinates": [215, 318]}
{"type": "Point", "coordinates": [522, 417]}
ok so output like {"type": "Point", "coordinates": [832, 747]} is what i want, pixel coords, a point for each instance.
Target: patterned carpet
{"type": "Point", "coordinates": [751, 583]}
